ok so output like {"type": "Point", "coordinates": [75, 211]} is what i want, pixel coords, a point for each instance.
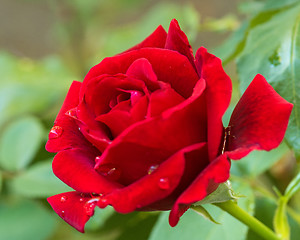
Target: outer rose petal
{"type": "Point", "coordinates": [71, 100]}
{"type": "Point", "coordinates": [70, 136]}
{"type": "Point", "coordinates": [207, 182]}
{"type": "Point", "coordinates": [148, 189]}
{"type": "Point", "coordinates": [76, 168]}
{"type": "Point", "coordinates": [156, 40]}
{"type": "Point", "coordinates": [73, 208]}
{"type": "Point", "coordinates": [259, 120]}
{"type": "Point", "coordinates": [151, 141]}
{"type": "Point", "coordinates": [178, 41]}
{"type": "Point", "coordinates": [218, 94]}
{"type": "Point", "coordinates": [169, 66]}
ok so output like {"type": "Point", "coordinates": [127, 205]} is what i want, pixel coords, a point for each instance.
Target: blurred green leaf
{"type": "Point", "coordinates": [293, 187]}
{"type": "Point", "coordinates": [191, 226]}
{"type": "Point", "coordinates": [28, 86]}
{"type": "Point", "coordinates": [25, 220]}
{"type": "Point", "coordinates": [99, 218]}
{"type": "Point", "coordinates": [38, 181]}
{"type": "Point", "coordinates": [258, 162]}
{"type": "Point", "coordinates": [1, 181]}
{"type": "Point", "coordinates": [20, 142]}
{"type": "Point", "coordinates": [273, 49]}
{"type": "Point", "coordinates": [264, 211]}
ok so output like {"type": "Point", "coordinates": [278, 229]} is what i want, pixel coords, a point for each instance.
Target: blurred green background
{"type": "Point", "coordinates": [44, 46]}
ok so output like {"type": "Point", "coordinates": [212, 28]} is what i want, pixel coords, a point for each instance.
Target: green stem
{"type": "Point", "coordinates": [258, 227]}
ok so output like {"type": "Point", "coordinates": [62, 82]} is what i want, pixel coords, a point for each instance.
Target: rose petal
{"type": "Point", "coordinates": [163, 99]}
{"type": "Point", "coordinates": [142, 69]}
{"type": "Point", "coordinates": [116, 120]}
{"type": "Point", "coordinates": [68, 135]}
{"type": "Point", "coordinates": [196, 159]}
{"type": "Point", "coordinates": [71, 100]}
{"type": "Point", "coordinates": [208, 180]}
{"type": "Point", "coordinates": [76, 168]}
{"type": "Point", "coordinates": [73, 207]}
{"type": "Point", "coordinates": [155, 186]}
{"type": "Point", "coordinates": [156, 40]}
{"type": "Point", "coordinates": [259, 120]}
{"type": "Point", "coordinates": [169, 66]}
{"type": "Point", "coordinates": [155, 139]}
{"type": "Point", "coordinates": [218, 94]}
{"type": "Point", "coordinates": [178, 41]}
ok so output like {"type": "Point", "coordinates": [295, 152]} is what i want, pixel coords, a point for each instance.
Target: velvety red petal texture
{"type": "Point", "coordinates": [155, 185]}
{"type": "Point", "coordinates": [218, 93]}
{"type": "Point", "coordinates": [207, 181]}
{"type": "Point", "coordinates": [76, 168]}
{"type": "Point", "coordinates": [142, 69]}
{"type": "Point", "coordinates": [156, 40]}
{"type": "Point", "coordinates": [259, 120]}
{"type": "Point", "coordinates": [178, 41]}
{"type": "Point", "coordinates": [176, 128]}
{"type": "Point", "coordinates": [169, 66]}
{"type": "Point", "coordinates": [74, 208]}
{"type": "Point", "coordinates": [65, 133]}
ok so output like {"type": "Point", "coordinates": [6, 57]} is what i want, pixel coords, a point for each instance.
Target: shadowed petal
{"type": "Point", "coordinates": [74, 208]}
{"type": "Point", "coordinates": [259, 120]}
{"type": "Point", "coordinates": [218, 94]}
{"type": "Point", "coordinates": [157, 185]}
{"type": "Point", "coordinates": [76, 168]}
{"type": "Point", "coordinates": [207, 182]}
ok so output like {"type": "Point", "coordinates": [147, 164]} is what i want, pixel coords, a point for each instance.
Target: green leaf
{"type": "Point", "coordinates": [38, 181]}
{"type": "Point", "coordinates": [20, 142]}
{"type": "Point", "coordinates": [223, 193]}
{"type": "Point", "coordinates": [193, 227]}
{"type": "Point", "coordinates": [280, 221]}
{"type": "Point", "coordinates": [258, 162]}
{"type": "Point", "coordinates": [25, 220]}
{"type": "Point", "coordinates": [204, 213]}
{"type": "Point", "coordinates": [293, 187]}
{"type": "Point", "coordinates": [273, 50]}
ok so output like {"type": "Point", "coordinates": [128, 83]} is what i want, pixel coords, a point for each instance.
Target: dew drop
{"type": "Point", "coordinates": [110, 172]}
{"type": "Point", "coordinates": [72, 113]}
{"type": "Point", "coordinates": [90, 206]}
{"type": "Point", "coordinates": [152, 169]}
{"type": "Point", "coordinates": [81, 199]}
{"type": "Point", "coordinates": [164, 183]}
{"type": "Point", "coordinates": [63, 199]}
{"type": "Point", "coordinates": [97, 158]}
{"type": "Point", "coordinates": [55, 132]}
{"type": "Point", "coordinates": [62, 213]}
{"type": "Point", "coordinates": [103, 202]}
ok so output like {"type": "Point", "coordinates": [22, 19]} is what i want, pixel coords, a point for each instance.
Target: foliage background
{"type": "Point", "coordinates": [45, 45]}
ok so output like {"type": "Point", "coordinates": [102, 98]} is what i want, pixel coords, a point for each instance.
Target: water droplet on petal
{"type": "Point", "coordinates": [110, 172]}
{"type": "Point", "coordinates": [152, 168]}
{"type": "Point", "coordinates": [62, 213]}
{"type": "Point", "coordinates": [63, 199]}
{"type": "Point", "coordinates": [103, 202]}
{"type": "Point", "coordinates": [164, 183]}
{"type": "Point", "coordinates": [55, 132]}
{"type": "Point", "coordinates": [97, 158]}
{"type": "Point", "coordinates": [72, 113]}
{"type": "Point", "coordinates": [89, 207]}
{"type": "Point", "coordinates": [81, 199]}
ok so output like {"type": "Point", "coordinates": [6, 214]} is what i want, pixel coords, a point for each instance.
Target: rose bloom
{"type": "Point", "coordinates": [144, 131]}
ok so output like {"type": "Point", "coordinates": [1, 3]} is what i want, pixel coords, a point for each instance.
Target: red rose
{"type": "Point", "coordinates": [144, 130]}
